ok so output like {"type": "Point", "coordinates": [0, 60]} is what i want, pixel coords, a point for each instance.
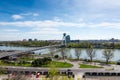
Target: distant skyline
{"type": "Point", "coordinates": [49, 19]}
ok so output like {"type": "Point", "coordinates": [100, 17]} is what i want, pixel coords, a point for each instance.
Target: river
{"type": "Point", "coordinates": [70, 52]}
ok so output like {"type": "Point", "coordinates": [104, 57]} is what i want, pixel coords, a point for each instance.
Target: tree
{"type": "Point", "coordinates": [108, 54]}
{"type": "Point", "coordinates": [41, 62]}
{"type": "Point", "coordinates": [53, 72]}
{"type": "Point", "coordinates": [77, 52]}
{"type": "Point", "coordinates": [52, 52]}
{"type": "Point", "coordinates": [56, 56]}
{"type": "Point", "coordinates": [91, 53]}
{"type": "Point", "coordinates": [62, 51]}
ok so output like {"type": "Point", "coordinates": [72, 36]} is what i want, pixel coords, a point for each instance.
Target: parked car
{"type": "Point", "coordinates": [38, 75]}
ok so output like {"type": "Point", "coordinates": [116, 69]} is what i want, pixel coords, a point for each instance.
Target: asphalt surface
{"type": "Point", "coordinates": [75, 71]}
{"type": "Point", "coordinates": [4, 54]}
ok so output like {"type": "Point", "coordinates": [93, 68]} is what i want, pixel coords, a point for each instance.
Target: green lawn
{"type": "Point", "coordinates": [89, 66]}
{"type": "Point", "coordinates": [2, 63]}
{"type": "Point", "coordinates": [59, 64]}
{"type": "Point", "coordinates": [110, 62]}
{"type": "Point", "coordinates": [56, 64]}
{"type": "Point", "coordinates": [27, 59]}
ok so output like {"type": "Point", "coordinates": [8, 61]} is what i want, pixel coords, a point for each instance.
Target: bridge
{"type": "Point", "coordinates": [6, 54]}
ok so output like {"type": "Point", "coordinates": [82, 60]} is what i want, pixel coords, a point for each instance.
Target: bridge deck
{"type": "Point", "coordinates": [4, 54]}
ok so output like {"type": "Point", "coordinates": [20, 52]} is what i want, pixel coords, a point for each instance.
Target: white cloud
{"type": "Point", "coordinates": [48, 32]}
{"type": "Point", "coordinates": [42, 34]}
{"type": "Point", "coordinates": [16, 17]}
{"type": "Point", "coordinates": [35, 14]}
{"type": "Point", "coordinates": [22, 15]}
{"type": "Point", "coordinates": [39, 24]}
{"type": "Point", "coordinates": [104, 4]}
{"type": "Point", "coordinates": [30, 14]}
{"type": "Point", "coordinates": [55, 24]}
{"type": "Point", "coordinates": [51, 29]}
{"type": "Point", "coordinates": [11, 30]}
{"type": "Point", "coordinates": [106, 25]}
{"type": "Point", "coordinates": [57, 19]}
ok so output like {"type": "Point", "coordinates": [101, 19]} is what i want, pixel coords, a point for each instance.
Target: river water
{"type": "Point", "coordinates": [70, 52]}
{"type": "Point", "coordinates": [99, 54]}
{"type": "Point", "coordinates": [43, 51]}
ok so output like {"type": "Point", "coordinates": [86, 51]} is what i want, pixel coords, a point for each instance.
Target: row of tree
{"type": "Point", "coordinates": [28, 43]}
{"type": "Point", "coordinates": [108, 45]}
{"type": "Point", "coordinates": [108, 54]}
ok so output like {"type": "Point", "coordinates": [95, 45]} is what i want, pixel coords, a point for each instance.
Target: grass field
{"type": "Point", "coordinates": [56, 64]}
{"type": "Point", "coordinates": [59, 64]}
{"type": "Point", "coordinates": [89, 66]}
{"type": "Point", "coordinates": [2, 63]}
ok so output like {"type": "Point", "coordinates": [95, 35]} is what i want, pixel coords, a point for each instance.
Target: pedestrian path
{"type": "Point", "coordinates": [74, 63]}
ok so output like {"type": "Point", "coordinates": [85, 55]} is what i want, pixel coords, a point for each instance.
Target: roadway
{"type": "Point", "coordinates": [75, 71]}
{"type": "Point", "coordinates": [5, 54]}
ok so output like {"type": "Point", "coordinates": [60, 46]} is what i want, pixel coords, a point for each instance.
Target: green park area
{"type": "Point", "coordinates": [59, 64]}
{"type": "Point", "coordinates": [89, 66]}
{"type": "Point", "coordinates": [21, 63]}
{"type": "Point", "coordinates": [40, 64]}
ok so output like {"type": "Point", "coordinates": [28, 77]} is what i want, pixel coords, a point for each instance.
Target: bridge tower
{"type": "Point", "coordinates": [64, 39]}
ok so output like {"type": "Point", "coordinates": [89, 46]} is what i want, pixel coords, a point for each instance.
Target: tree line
{"type": "Point", "coordinates": [108, 45]}
{"type": "Point", "coordinates": [28, 43]}
{"type": "Point", "coordinates": [108, 54]}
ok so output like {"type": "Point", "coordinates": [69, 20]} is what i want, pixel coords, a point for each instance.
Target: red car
{"type": "Point", "coordinates": [38, 75]}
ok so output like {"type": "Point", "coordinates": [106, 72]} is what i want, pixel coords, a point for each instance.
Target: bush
{"type": "Point", "coordinates": [56, 56]}
{"type": "Point", "coordinates": [39, 62]}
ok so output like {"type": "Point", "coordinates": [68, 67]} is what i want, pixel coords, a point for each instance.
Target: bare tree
{"type": "Point", "coordinates": [78, 52]}
{"type": "Point", "coordinates": [63, 53]}
{"type": "Point", "coordinates": [52, 49]}
{"type": "Point", "coordinates": [91, 53]}
{"type": "Point", "coordinates": [53, 72]}
{"type": "Point", "coordinates": [108, 54]}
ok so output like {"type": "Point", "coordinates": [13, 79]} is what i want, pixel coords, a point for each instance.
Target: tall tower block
{"type": "Point", "coordinates": [64, 39]}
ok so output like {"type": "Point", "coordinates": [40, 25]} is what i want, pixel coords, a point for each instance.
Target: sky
{"type": "Point", "coordinates": [49, 19]}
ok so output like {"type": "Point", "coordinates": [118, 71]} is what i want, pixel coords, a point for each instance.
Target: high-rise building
{"type": "Point", "coordinates": [35, 40]}
{"type": "Point", "coordinates": [66, 39]}
{"type": "Point", "coordinates": [63, 39]}
{"type": "Point", "coordinates": [29, 39]}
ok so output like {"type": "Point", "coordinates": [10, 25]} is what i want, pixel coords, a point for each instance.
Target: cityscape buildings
{"type": "Point", "coordinates": [66, 39]}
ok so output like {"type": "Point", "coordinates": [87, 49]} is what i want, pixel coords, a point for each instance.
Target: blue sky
{"type": "Point", "coordinates": [49, 19]}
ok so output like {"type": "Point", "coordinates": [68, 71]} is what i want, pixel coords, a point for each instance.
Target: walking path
{"type": "Point", "coordinates": [106, 67]}
{"type": "Point", "coordinates": [75, 63]}
{"type": "Point", "coordinates": [79, 75]}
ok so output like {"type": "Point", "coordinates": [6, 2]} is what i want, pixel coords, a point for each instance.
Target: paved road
{"type": "Point", "coordinates": [4, 54]}
{"type": "Point", "coordinates": [75, 71]}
